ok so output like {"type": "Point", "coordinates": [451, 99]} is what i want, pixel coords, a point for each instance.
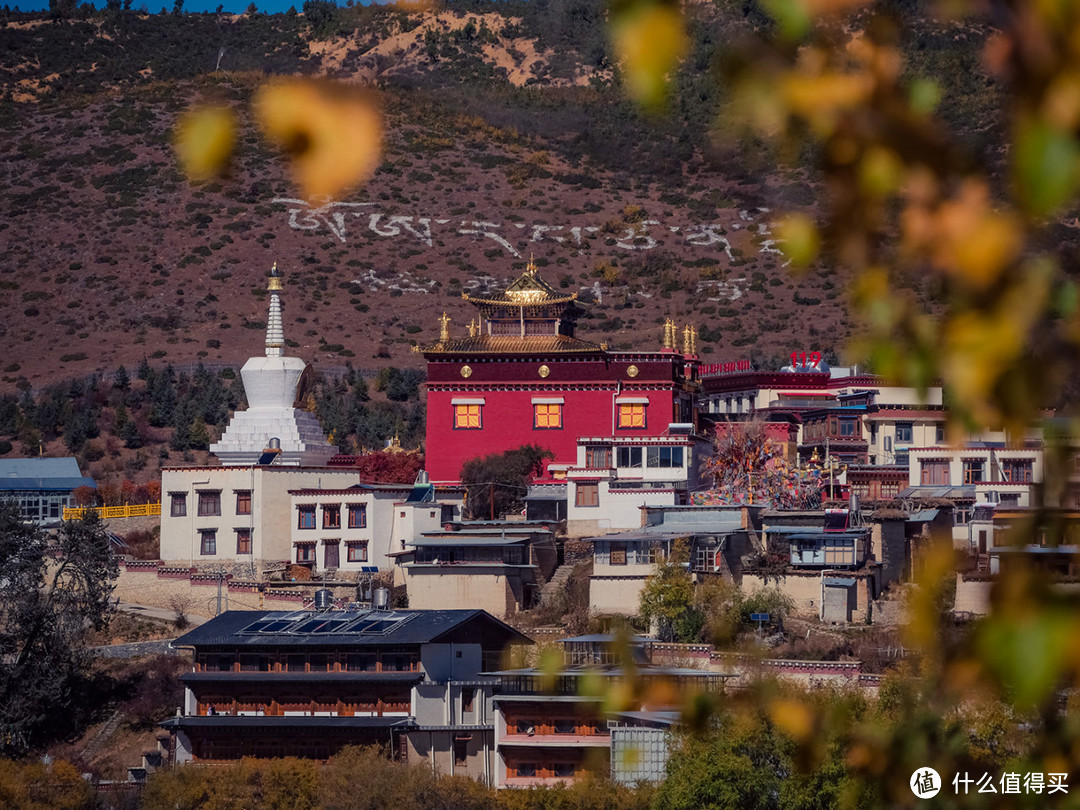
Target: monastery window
{"type": "Point", "coordinates": [598, 457]}
{"type": "Point", "coordinates": [903, 458]}
{"type": "Point", "coordinates": [849, 427]}
{"type": "Point", "coordinates": [208, 542]}
{"type": "Point", "coordinates": [468, 695]}
{"type": "Point", "coordinates": [305, 553]}
{"type": "Point", "coordinates": [331, 516]}
{"type": "Point", "coordinates": [209, 503]}
{"type": "Point", "coordinates": [974, 470]}
{"type": "Point", "coordinates": [939, 433]}
{"type": "Point", "coordinates": [905, 432]}
{"type": "Point", "coordinates": [357, 515]}
{"type": "Point", "coordinates": [461, 749]}
{"type": "Point", "coordinates": [547, 416]}
{"type": "Point", "coordinates": [243, 541]}
{"type": "Point", "coordinates": [935, 472]}
{"type": "Point", "coordinates": [467, 417]}
{"type": "Point", "coordinates": [962, 514]}
{"type": "Point", "coordinates": [356, 552]}
{"type": "Point", "coordinates": [628, 457]}
{"type": "Point", "coordinates": [179, 504]}
{"type": "Point", "coordinates": [617, 554]}
{"type": "Point", "coordinates": [243, 501]}
{"type": "Point", "coordinates": [305, 516]}
{"type": "Point", "coordinates": [1018, 470]}
{"type": "Point", "coordinates": [587, 495]}
{"type": "Point", "coordinates": [631, 415]}
{"type": "Point", "coordinates": [670, 457]}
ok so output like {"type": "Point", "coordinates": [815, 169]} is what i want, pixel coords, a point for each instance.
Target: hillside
{"type": "Point", "coordinates": [507, 138]}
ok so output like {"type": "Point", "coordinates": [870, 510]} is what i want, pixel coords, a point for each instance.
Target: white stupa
{"type": "Point", "coordinates": [271, 384]}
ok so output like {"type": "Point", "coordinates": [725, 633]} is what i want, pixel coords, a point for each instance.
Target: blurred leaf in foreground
{"type": "Point", "coordinates": [332, 133]}
{"type": "Point", "coordinates": [204, 141]}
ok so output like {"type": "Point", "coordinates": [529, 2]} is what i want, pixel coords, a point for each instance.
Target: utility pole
{"type": "Point", "coordinates": [491, 498]}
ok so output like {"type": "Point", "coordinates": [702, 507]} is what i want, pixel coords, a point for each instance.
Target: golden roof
{"type": "Point", "coordinates": [528, 289]}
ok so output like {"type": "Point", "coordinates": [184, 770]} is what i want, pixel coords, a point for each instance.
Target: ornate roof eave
{"type": "Point", "coordinates": [509, 302]}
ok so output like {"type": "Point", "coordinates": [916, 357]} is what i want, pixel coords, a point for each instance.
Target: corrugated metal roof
{"type": "Point", "coordinates": [923, 515]}
{"type": "Point", "coordinates": [460, 539]}
{"type": "Point", "coordinates": [58, 474]}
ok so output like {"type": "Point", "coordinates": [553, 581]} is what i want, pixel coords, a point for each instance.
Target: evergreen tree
{"type": "Point", "coordinates": [51, 596]}
{"type": "Point", "coordinates": [122, 382]}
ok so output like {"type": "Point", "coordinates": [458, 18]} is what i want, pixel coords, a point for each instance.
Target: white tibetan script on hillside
{"type": "Point", "coordinates": [363, 220]}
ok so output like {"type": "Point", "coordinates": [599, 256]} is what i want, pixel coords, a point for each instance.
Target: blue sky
{"type": "Point", "coordinates": [154, 6]}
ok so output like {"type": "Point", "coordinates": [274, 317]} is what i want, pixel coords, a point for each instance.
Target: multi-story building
{"type": "Point", "coordinates": [555, 727]}
{"type": "Point", "coordinates": [718, 538]}
{"type": "Point", "coordinates": [522, 377]}
{"type": "Point", "coordinates": [496, 568]}
{"type": "Point", "coordinates": [306, 683]}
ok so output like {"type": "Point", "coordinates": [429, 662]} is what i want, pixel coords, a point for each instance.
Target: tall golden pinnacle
{"type": "Point", "coordinates": [275, 279]}
{"type": "Point", "coordinates": [473, 328]}
{"type": "Point", "coordinates": [686, 340]}
{"type": "Point", "coordinates": [669, 334]}
{"type": "Point", "coordinates": [693, 341]}
{"type": "Point", "coordinates": [530, 268]}
{"type": "Point", "coordinates": [444, 328]}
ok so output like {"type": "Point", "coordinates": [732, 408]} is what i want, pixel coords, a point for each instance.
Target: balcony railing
{"type": "Point", "coordinates": [106, 512]}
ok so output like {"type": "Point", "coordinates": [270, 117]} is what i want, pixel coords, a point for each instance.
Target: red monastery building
{"type": "Point", "coordinates": [522, 377]}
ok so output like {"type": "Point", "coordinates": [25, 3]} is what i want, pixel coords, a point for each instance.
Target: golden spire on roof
{"type": "Point", "coordinates": [669, 333]}
{"type": "Point", "coordinates": [444, 328]}
{"type": "Point", "coordinates": [275, 279]}
{"type": "Point", "coordinates": [530, 268]}
{"type": "Point", "coordinates": [693, 340]}
{"type": "Point", "coordinates": [473, 327]}
{"type": "Point", "coordinates": [686, 340]}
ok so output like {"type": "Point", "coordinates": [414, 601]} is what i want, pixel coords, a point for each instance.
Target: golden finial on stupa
{"type": "Point", "coordinates": [530, 268]}
{"type": "Point", "coordinates": [275, 279]}
{"type": "Point", "coordinates": [472, 328]}
{"type": "Point", "coordinates": [686, 340]}
{"type": "Point", "coordinates": [444, 328]}
{"type": "Point", "coordinates": [693, 340]}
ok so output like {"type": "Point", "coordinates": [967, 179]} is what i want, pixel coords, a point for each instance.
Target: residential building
{"type": "Point", "coordinates": [718, 539]}
{"type": "Point", "coordinates": [320, 517]}
{"type": "Point", "coordinates": [616, 476]}
{"type": "Point", "coordinates": [41, 487]}
{"type": "Point", "coordinates": [521, 376]}
{"type": "Point", "coordinates": [307, 683]}
{"type": "Point", "coordinates": [498, 569]}
{"type": "Point", "coordinates": [555, 727]}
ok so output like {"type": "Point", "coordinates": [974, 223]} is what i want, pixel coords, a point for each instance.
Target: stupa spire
{"type": "Point", "coordinates": [275, 332]}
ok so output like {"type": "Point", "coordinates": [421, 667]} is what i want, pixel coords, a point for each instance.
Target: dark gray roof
{"type": "Point", "coordinates": [348, 628]}
{"type": "Point", "coordinates": [42, 474]}
{"type": "Point", "coordinates": [462, 539]}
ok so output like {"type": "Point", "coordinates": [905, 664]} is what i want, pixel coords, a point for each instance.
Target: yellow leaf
{"type": "Point", "coordinates": [332, 133]}
{"type": "Point", "coordinates": [793, 717]}
{"type": "Point", "coordinates": [204, 141]}
{"type": "Point", "coordinates": [649, 42]}
{"type": "Point", "coordinates": [799, 239]}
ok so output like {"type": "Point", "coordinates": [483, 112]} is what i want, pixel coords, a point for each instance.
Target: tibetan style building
{"type": "Point", "coordinates": [306, 683]}
{"type": "Point", "coordinates": [521, 376]}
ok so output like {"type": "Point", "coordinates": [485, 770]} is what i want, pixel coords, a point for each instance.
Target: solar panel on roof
{"type": "Point", "coordinates": [331, 626]}
{"type": "Point", "coordinates": [255, 627]}
{"type": "Point", "coordinates": [381, 626]}
{"type": "Point", "coordinates": [276, 626]}
{"type": "Point", "coordinates": [309, 627]}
